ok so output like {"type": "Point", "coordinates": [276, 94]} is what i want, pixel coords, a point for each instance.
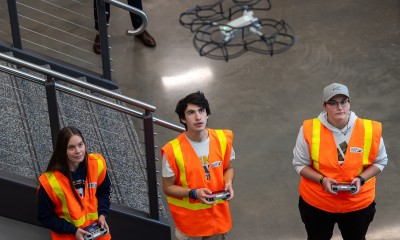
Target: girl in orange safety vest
{"type": "Point", "coordinates": [74, 191]}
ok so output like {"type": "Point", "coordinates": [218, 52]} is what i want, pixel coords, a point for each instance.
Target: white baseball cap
{"type": "Point", "coordinates": [335, 89]}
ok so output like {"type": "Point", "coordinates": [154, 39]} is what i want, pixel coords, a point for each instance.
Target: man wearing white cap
{"type": "Point", "coordinates": [338, 156]}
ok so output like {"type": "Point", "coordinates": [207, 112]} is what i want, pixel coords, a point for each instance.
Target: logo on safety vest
{"type": "Point", "coordinates": [356, 150]}
{"type": "Point", "coordinates": [216, 164]}
{"type": "Point", "coordinates": [93, 185]}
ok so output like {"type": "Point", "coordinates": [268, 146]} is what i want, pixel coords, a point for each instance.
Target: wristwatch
{"type": "Point", "coordinates": [362, 180]}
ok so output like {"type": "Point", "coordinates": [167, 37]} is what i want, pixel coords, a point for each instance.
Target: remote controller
{"type": "Point", "coordinates": [222, 194]}
{"type": "Point", "coordinates": [344, 187]}
{"type": "Point", "coordinates": [95, 230]}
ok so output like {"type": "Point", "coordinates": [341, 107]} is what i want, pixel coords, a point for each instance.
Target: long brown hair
{"type": "Point", "coordinates": [59, 158]}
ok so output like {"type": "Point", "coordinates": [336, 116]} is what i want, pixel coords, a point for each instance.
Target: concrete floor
{"type": "Point", "coordinates": [264, 99]}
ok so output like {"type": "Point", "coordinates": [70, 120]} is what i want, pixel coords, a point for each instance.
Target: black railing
{"type": "Point", "coordinates": [68, 72]}
{"type": "Point", "coordinates": [21, 35]}
{"type": "Point", "coordinates": [146, 116]}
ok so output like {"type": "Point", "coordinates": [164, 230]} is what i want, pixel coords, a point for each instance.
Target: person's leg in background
{"type": "Point", "coordinates": [145, 36]}
{"type": "Point", "coordinates": [354, 225]}
{"type": "Point", "coordinates": [96, 44]}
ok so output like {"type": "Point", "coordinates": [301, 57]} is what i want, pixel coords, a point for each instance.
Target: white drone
{"type": "Point", "coordinates": [221, 36]}
{"type": "Point", "coordinates": [245, 21]}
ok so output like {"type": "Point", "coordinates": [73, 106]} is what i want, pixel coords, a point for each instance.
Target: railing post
{"type": "Point", "coordinates": [12, 12]}
{"type": "Point", "coordinates": [51, 96]}
{"type": "Point", "coordinates": [151, 165]}
{"type": "Point", "coordinates": [105, 53]}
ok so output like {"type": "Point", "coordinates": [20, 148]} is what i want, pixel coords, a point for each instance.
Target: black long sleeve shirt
{"type": "Point", "coordinates": [51, 220]}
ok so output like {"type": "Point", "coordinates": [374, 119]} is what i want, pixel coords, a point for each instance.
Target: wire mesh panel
{"type": "Point", "coordinates": [24, 126]}
{"type": "Point", "coordinates": [118, 142]}
{"type": "Point", "coordinates": [112, 134]}
{"type": "Point", "coordinates": [26, 144]}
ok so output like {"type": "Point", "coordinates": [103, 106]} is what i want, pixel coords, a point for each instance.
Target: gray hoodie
{"type": "Point", "coordinates": [301, 153]}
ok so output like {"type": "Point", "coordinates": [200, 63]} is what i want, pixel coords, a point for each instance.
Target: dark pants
{"type": "Point", "coordinates": [319, 224]}
{"type": "Point", "coordinates": [135, 19]}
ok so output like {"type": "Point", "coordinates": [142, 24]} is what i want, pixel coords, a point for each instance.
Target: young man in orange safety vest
{"type": "Point", "coordinates": [338, 156]}
{"type": "Point", "coordinates": [196, 164]}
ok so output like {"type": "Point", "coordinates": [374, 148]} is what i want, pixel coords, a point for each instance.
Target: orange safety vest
{"type": "Point", "coordinates": [59, 190]}
{"type": "Point", "coordinates": [360, 154]}
{"type": "Point", "coordinates": [192, 217]}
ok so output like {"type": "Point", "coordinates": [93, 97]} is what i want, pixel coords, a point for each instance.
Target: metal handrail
{"type": "Point", "coordinates": [52, 87]}
{"type": "Point", "coordinates": [148, 121]}
{"type": "Point", "coordinates": [85, 85]}
{"type": "Point", "coordinates": [134, 10]}
{"type": "Point", "coordinates": [105, 57]}
{"type": "Point", "coordinates": [71, 91]}
{"type": "Point", "coordinates": [168, 125]}
{"type": "Point", "coordinates": [115, 106]}
{"type": "Point", "coordinates": [77, 82]}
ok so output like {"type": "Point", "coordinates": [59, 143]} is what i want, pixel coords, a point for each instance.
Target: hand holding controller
{"type": "Point", "coordinates": [96, 231]}
{"type": "Point", "coordinates": [344, 187]}
{"type": "Point", "coordinates": [222, 194]}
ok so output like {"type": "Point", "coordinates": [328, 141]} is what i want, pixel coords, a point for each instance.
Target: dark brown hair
{"type": "Point", "coordinates": [196, 98]}
{"type": "Point", "coordinates": [59, 158]}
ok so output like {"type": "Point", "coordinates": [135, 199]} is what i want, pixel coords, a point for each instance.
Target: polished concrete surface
{"type": "Point", "coordinates": [264, 99]}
